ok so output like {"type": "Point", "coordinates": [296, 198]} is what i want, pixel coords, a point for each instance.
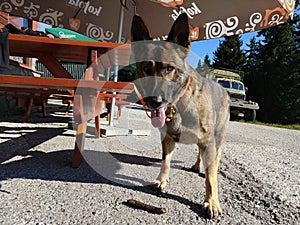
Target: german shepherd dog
{"type": "Point", "coordinates": [186, 107]}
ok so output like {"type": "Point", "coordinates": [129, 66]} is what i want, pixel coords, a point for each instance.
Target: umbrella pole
{"type": "Point", "coordinates": [116, 67]}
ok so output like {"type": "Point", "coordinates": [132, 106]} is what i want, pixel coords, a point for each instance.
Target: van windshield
{"type": "Point", "coordinates": [237, 85]}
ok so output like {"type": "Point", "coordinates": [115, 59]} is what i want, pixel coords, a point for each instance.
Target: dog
{"type": "Point", "coordinates": [186, 107]}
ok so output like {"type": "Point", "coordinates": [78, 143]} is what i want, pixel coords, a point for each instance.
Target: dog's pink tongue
{"type": "Point", "coordinates": [158, 117]}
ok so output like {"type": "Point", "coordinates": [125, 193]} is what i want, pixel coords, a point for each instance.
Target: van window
{"type": "Point", "coordinates": [237, 86]}
{"type": "Point", "coordinates": [224, 83]}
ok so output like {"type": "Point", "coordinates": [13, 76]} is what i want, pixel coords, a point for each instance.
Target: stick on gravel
{"type": "Point", "coordinates": [146, 207]}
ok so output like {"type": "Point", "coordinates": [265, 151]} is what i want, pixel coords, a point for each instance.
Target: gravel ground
{"type": "Point", "coordinates": [258, 178]}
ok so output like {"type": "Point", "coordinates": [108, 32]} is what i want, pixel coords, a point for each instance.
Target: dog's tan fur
{"type": "Point", "coordinates": [200, 107]}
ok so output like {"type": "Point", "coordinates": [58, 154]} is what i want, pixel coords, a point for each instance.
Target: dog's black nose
{"type": "Point", "coordinates": [154, 102]}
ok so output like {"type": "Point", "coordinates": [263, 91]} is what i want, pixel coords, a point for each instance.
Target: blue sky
{"type": "Point", "coordinates": [201, 48]}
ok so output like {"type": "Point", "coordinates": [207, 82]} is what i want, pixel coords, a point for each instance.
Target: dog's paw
{"type": "Point", "coordinates": [212, 209]}
{"type": "Point", "coordinates": [161, 184]}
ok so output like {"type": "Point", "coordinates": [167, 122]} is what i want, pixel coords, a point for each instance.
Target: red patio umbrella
{"type": "Point", "coordinates": [100, 19]}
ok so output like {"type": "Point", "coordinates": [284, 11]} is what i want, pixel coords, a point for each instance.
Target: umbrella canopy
{"type": "Point", "coordinates": [99, 19]}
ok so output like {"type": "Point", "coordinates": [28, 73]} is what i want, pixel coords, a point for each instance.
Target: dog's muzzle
{"type": "Point", "coordinates": [155, 102]}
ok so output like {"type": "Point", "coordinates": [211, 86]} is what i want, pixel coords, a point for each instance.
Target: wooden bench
{"type": "Point", "coordinates": [120, 102]}
{"type": "Point", "coordinates": [27, 97]}
{"type": "Point", "coordinates": [87, 94]}
{"type": "Point", "coordinates": [102, 96]}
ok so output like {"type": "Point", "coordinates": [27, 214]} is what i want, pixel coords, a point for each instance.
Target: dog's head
{"type": "Point", "coordinates": [160, 65]}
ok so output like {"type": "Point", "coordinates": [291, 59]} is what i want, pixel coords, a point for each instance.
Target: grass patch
{"type": "Point", "coordinates": [288, 126]}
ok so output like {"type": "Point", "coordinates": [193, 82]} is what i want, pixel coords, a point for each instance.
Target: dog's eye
{"type": "Point", "coordinates": [169, 69]}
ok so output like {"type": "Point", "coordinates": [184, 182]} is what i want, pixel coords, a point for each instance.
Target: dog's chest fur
{"type": "Point", "coordinates": [186, 126]}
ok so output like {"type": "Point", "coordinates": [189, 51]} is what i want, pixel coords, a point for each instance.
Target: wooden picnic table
{"type": "Point", "coordinates": [50, 51]}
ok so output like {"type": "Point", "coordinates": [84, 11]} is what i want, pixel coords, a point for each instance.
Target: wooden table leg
{"type": "Point", "coordinates": [44, 108]}
{"type": "Point", "coordinates": [97, 126]}
{"type": "Point", "coordinates": [79, 144]}
{"type": "Point", "coordinates": [28, 109]}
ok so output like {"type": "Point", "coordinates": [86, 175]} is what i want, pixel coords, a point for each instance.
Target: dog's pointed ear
{"type": "Point", "coordinates": [180, 31]}
{"type": "Point", "coordinates": [139, 30]}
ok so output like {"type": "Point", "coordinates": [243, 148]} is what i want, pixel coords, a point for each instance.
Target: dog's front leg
{"type": "Point", "coordinates": [168, 145]}
{"type": "Point", "coordinates": [211, 201]}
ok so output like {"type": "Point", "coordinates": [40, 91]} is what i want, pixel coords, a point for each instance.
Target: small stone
{"type": "Point", "coordinates": [278, 198]}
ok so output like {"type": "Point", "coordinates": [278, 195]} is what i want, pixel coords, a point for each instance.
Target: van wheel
{"type": "Point", "coordinates": [250, 115]}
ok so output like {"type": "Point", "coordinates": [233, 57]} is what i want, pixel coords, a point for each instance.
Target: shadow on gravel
{"type": "Point", "coordinates": [18, 160]}
{"type": "Point", "coordinates": [56, 166]}
{"type": "Point", "coordinates": [55, 113]}
{"type": "Point", "coordinates": [21, 139]}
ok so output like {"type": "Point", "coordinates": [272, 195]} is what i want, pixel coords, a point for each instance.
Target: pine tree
{"type": "Point", "coordinates": [251, 69]}
{"type": "Point", "coordinates": [202, 68]}
{"type": "Point", "coordinates": [207, 61]}
{"type": "Point", "coordinates": [229, 54]}
{"type": "Point", "coordinates": [277, 75]}
{"type": "Point", "coordinates": [199, 66]}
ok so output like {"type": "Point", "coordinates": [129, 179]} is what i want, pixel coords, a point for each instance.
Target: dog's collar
{"type": "Point", "coordinates": [140, 97]}
{"type": "Point", "coordinates": [171, 106]}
